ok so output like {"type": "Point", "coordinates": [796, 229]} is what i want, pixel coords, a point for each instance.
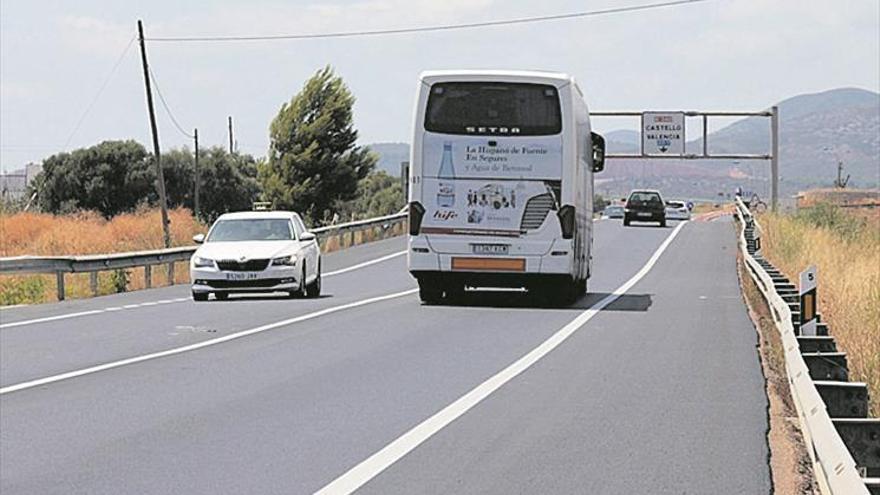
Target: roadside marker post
{"type": "Point", "coordinates": [807, 294]}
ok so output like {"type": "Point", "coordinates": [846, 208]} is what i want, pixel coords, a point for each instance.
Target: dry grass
{"type": "Point", "coordinates": [848, 197]}
{"type": "Point", "coordinates": [847, 255]}
{"type": "Point", "coordinates": [42, 234]}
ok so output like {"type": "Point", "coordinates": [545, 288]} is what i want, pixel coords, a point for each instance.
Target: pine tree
{"type": "Point", "coordinates": [313, 161]}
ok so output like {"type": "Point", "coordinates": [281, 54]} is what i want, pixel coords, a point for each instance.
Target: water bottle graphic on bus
{"type": "Point", "coordinates": [446, 189]}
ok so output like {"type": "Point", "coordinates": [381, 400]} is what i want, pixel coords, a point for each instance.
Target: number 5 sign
{"type": "Point", "coordinates": [808, 301]}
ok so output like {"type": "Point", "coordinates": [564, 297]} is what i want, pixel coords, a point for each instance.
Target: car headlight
{"type": "Point", "coordinates": [284, 261]}
{"type": "Point", "coordinates": [200, 262]}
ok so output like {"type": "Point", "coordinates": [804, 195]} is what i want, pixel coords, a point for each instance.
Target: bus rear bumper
{"type": "Point", "coordinates": [490, 279]}
{"type": "Point", "coordinates": [489, 270]}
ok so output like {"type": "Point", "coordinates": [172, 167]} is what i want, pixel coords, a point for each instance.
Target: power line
{"type": "Point", "coordinates": [165, 105]}
{"type": "Point", "coordinates": [447, 27]}
{"type": "Point", "coordinates": [100, 92]}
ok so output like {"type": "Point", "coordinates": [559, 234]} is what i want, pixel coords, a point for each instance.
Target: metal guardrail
{"type": "Point", "coordinates": [93, 264]}
{"type": "Point", "coordinates": [835, 469]}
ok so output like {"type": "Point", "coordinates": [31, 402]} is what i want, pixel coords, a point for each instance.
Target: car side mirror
{"type": "Point", "coordinates": [307, 236]}
{"type": "Point", "coordinates": [598, 143]}
{"type": "Point", "coordinates": [199, 238]}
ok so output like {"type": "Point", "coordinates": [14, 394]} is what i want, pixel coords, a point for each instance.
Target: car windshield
{"type": "Point", "coordinates": [675, 204]}
{"type": "Point", "coordinates": [254, 229]}
{"type": "Point", "coordinates": [639, 198]}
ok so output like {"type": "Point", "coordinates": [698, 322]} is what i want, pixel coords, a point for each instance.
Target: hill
{"type": "Point", "coordinates": [816, 131]}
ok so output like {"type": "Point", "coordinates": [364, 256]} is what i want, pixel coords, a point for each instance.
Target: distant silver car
{"type": "Point", "coordinates": [677, 210]}
{"type": "Point", "coordinates": [613, 211]}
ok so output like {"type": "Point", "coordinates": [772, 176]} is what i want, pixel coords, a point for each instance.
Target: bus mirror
{"type": "Point", "coordinates": [598, 152]}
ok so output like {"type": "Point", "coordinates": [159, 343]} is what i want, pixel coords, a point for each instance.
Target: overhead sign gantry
{"type": "Point", "coordinates": [663, 137]}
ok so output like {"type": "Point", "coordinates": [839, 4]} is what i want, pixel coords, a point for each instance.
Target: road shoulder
{"type": "Point", "coordinates": [790, 468]}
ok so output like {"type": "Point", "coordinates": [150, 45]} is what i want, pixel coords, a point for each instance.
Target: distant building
{"type": "Point", "coordinates": [13, 185]}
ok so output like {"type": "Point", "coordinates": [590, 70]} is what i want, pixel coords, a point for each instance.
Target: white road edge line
{"type": "Point", "coordinates": [58, 317]}
{"type": "Point", "coordinates": [199, 345]}
{"type": "Point", "coordinates": [394, 451]}
{"type": "Point", "coordinates": [181, 299]}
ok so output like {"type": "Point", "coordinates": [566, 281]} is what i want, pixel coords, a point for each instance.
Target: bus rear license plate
{"type": "Point", "coordinates": [502, 249]}
{"type": "Point", "coordinates": [489, 264]}
{"type": "Point", "coordinates": [242, 276]}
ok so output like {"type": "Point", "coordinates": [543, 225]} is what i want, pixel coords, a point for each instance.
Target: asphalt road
{"type": "Point", "coordinates": [659, 392]}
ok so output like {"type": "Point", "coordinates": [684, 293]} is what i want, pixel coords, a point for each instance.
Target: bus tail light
{"type": "Point", "coordinates": [416, 212]}
{"type": "Point", "coordinates": [566, 221]}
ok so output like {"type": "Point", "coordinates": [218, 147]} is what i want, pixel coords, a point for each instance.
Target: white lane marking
{"type": "Point", "coordinates": [52, 318]}
{"type": "Point", "coordinates": [199, 345]}
{"type": "Point", "coordinates": [366, 263]}
{"type": "Point", "coordinates": [391, 453]}
{"type": "Point", "coordinates": [179, 299]}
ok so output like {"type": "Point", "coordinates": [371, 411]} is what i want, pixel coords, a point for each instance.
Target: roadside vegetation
{"type": "Point", "coordinates": [43, 234]}
{"type": "Point", "coordinates": [845, 247]}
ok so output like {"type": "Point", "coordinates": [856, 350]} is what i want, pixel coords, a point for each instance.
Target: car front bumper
{"type": "Point", "coordinates": [273, 278]}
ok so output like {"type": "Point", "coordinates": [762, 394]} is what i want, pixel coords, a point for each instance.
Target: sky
{"type": "Point", "coordinates": [55, 56]}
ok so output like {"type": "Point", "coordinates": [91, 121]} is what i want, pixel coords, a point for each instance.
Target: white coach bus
{"type": "Point", "coordinates": [501, 184]}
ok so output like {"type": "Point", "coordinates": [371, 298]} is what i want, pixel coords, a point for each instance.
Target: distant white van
{"type": "Point", "coordinates": [501, 184]}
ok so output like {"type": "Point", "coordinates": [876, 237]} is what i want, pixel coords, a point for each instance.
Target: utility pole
{"type": "Point", "coordinates": [230, 135]}
{"type": "Point", "coordinates": [160, 178]}
{"type": "Point", "coordinates": [197, 173]}
{"type": "Point", "coordinates": [774, 160]}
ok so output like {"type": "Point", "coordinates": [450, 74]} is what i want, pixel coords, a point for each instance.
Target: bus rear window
{"type": "Point", "coordinates": [483, 108]}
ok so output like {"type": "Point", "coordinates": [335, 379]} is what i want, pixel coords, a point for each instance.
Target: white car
{"type": "Point", "coordinates": [613, 211]}
{"type": "Point", "coordinates": [259, 251]}
{"type": "Point", "coordinates": [677, 210]}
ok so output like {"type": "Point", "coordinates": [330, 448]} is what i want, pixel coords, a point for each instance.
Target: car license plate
{"type": "Point", "coordinates": [501, 249]}
{"type": "Point", "coordinates": [242, 276]}
{"type": "Point", "coordinates": [644, 214]}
